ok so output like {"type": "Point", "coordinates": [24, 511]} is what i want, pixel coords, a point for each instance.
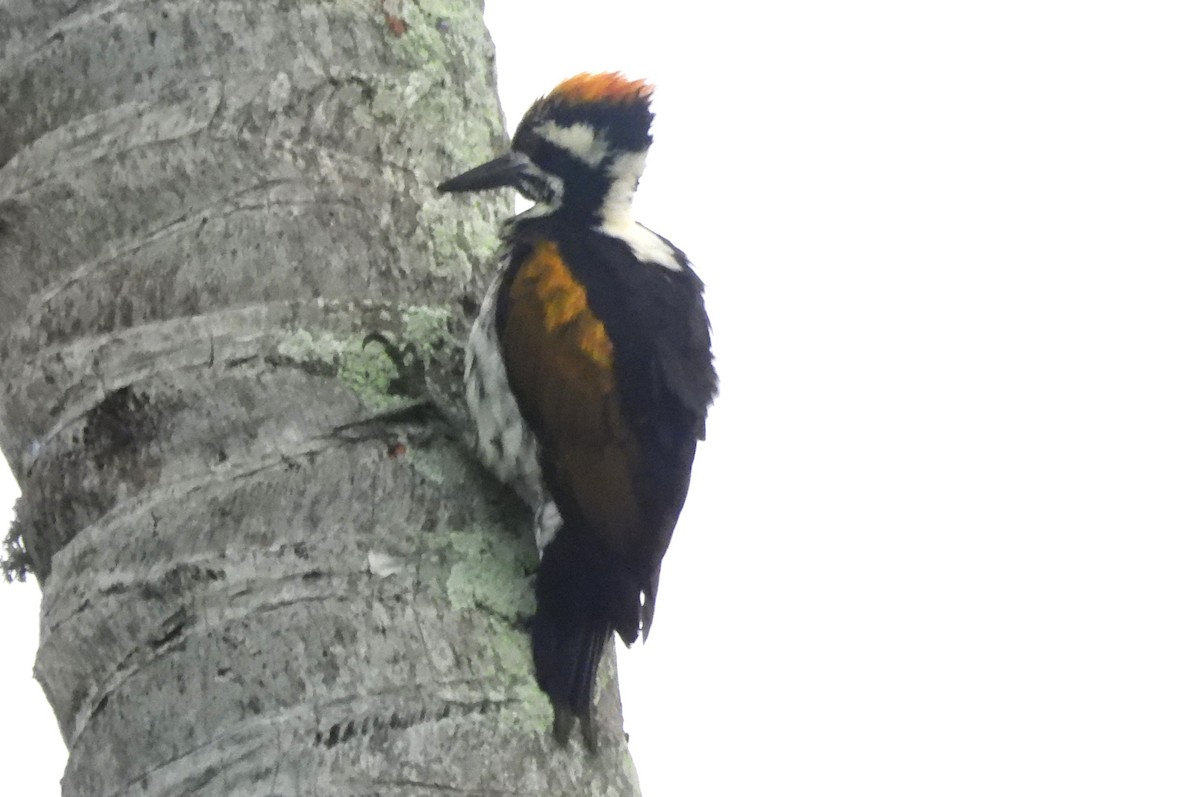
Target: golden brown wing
{"type": "Point", "coordinates": [560, 367]}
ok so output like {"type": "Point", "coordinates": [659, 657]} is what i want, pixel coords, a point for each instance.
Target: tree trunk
{"type": "Point", "coordinates": [204, 207]}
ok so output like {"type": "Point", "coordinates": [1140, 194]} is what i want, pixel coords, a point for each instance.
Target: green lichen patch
{"type": "Point", "coordinates": [367, 371]}
{"type": "Point", "coordinates": [456, 238]}
{"type": "Point", "coordinates": [526, 707]}
{"type": "Point", "coordinates": [531, 711]}
{"type": "Point", "coordinates": [489, 572]}
{"type": "Point", "coordinates": [427, 331]}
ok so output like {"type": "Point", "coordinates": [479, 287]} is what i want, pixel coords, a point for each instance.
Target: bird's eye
{"type": "Point", "coordinates": [541, 187]}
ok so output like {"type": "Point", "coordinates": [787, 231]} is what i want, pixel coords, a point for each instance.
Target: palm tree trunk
{"type": "Point", "coordinates": [204, 206]}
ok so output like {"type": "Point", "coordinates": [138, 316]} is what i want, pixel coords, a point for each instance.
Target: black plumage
{"type": "Point", "coordinates": [600, 328]}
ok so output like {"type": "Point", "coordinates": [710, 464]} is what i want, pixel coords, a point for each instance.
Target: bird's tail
{"type": "Point", "coordinates": [583, 595]}
{"type": "Point", "coordinates": [566, 659]}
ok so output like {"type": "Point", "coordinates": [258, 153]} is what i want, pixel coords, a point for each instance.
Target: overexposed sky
{"type": "Point", "coordinates": [945, 534]}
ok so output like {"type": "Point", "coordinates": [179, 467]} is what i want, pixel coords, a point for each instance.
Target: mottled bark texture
{"type": "Point", "coordinates": [204, 206]}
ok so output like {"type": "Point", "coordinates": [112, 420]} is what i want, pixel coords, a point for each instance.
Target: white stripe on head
{"type": "Point", "coordinates": [579, 139]}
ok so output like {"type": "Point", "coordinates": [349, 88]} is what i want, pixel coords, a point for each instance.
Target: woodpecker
{"type": "Point", "coordinates": [589, 374]}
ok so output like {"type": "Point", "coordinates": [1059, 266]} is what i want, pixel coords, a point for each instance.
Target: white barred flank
{"type": "Point", "coordinates": [505, 443]}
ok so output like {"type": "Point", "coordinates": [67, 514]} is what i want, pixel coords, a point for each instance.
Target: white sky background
{"type": "Point", "coordinates": [943, 539]}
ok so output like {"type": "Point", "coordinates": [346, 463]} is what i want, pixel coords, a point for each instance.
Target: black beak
{"type": "Point", "coordinates": [501, 172]}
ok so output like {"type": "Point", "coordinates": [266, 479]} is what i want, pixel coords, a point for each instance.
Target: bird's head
{"type": "Point", "coordinates": [579, 151]}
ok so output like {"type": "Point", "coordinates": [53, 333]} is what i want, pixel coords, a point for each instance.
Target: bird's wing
{"type": "Point", "coordinates": [560, 363]}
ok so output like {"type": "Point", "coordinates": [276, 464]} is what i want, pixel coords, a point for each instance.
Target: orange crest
{"type": "Point", "coordinates": [601, 87]}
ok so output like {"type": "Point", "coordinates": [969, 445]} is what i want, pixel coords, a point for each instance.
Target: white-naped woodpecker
{"type": "Point", "coordinates": [589, 374]}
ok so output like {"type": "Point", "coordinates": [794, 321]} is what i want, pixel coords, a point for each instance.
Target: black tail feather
{"type": "Point", "coordinates": [566, 660]}
{"type": "Point", "coordinates": [583, 595]}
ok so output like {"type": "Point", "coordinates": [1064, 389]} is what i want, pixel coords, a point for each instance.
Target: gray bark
{"type": "Point", "coordinates": [204, 206]}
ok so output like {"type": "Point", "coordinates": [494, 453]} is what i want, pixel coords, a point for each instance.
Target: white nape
{"type": "Point", "coordinates": [616, 214]}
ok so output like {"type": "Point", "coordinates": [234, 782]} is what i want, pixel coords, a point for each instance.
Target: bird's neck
{"type": "Point", "coordinates": [623, 175]}
{"type": "Point", "coordinates": [603, 199]}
